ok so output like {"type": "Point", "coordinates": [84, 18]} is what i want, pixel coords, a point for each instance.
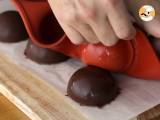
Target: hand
{"type": "Point", "coordinates": [151, 27]}
{"type": "Point", "coordinates": [94, 21]}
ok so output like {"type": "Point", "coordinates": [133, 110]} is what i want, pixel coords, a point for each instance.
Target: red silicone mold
{"type": "Point", "coordinates": [135, 58]}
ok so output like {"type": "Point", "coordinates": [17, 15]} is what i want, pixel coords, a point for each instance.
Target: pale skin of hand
{"type": "Point", "coordinates": [105, 21]}
{"type": "Point", "coordinates": [151, 27]}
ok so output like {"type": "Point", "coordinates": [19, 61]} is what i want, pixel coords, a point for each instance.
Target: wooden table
{"type": "Point", "coordinates": [152, 114]}
{"type": "Point", "coordinates": [8, 111]}
{"type": "Point", "coordinates": [30, 97]}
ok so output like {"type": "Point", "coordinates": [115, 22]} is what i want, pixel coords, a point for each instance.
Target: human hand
{"type": "Point", "coordinates": [151, 27]}
{"type": "Point", "coordinates": [94, 21]}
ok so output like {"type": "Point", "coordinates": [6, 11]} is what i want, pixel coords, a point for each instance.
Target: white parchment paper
{"type": "Point", "coordinates": [136, 95]}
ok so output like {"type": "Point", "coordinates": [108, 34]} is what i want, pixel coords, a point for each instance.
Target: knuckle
{"type": "Point", "coordinates": [70, 18]}
{"type": "Point", "coordinates": [88, 14]}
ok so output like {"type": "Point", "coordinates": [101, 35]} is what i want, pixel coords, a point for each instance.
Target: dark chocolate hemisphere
{"type": "Point", "coordinates": [92, 86]}
{"type": "Point", "coordinates": [11, 27]}
{"type": "Point", "coordinates": [43, 55]}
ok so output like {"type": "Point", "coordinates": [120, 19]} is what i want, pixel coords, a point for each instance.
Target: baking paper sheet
{"type": "Point", "coordinates": [136, 95]}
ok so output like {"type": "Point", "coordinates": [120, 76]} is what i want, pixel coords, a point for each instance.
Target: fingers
{"type": "Point", "coordinates": [73, 34]}
{"type": "Point", "coordinates": [120, 20]}
{"type": "Point", "coordinates": [153, 26]}
{"type": "Point", "coordinates": [104, 32]}
{"type": "Point", "coordinates": [100, 29]}
{"type": "Point", "coordinates": [87, 32]}
{"type": "Point", "coordinates": [59, 9]}
{"type": "Point", "coordinates": [93, 21]}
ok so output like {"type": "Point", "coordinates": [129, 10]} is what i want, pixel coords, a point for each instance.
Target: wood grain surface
{"type": "Point", "coordinates": [8, 111]}
{"type": "Point", "coordinates": [152, 114]}
{"type": "Point", "coordinates": [28, 92]}
{"type": "Point", "coordinates": [37, 99]}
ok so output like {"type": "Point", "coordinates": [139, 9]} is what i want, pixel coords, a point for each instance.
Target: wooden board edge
{"type": "Point", "coordinates": [23, 94]}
